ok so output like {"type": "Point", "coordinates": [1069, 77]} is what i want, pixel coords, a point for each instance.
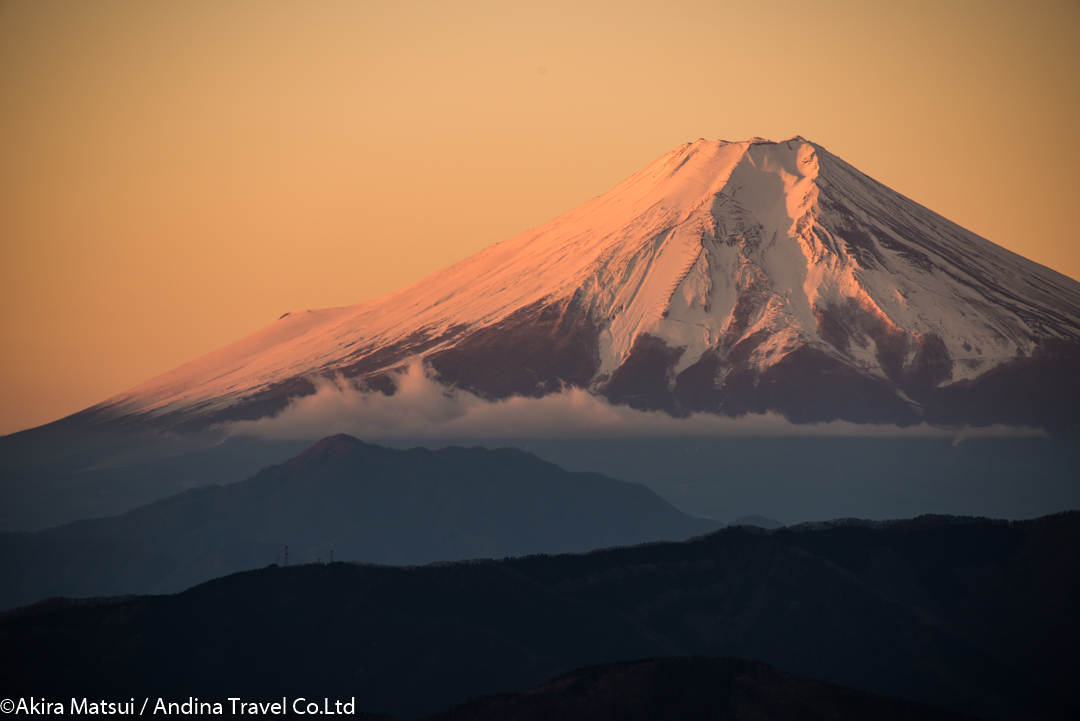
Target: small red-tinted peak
{"type": "Point", "coordinates": [328, 450]}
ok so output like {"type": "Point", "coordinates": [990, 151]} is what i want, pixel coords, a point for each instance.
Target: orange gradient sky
{"type": "Point", "coordinates": [174, 176]}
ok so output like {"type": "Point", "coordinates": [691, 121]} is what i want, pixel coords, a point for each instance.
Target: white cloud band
{"type": "Point", "coordinates": [423, 408]}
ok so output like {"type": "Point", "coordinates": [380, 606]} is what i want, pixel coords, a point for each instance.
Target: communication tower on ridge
{"type": "Point", "coordinates": [286, 555]}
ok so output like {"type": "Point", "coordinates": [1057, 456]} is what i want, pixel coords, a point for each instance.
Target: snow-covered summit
{"type": "Point", "coordinates": [720, 278]}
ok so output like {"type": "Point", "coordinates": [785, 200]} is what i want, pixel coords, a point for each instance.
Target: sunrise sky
{"type": "Point", "coordinates": [174, 176]}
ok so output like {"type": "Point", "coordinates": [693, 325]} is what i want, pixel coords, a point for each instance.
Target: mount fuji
{"type": "Point", "coordinates": [723, 281]}
{"type": "Point", "coordinates": [726, 278]}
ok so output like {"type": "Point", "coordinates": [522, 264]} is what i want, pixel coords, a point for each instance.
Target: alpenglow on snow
{"type": "Point", "coordinates": [727, 278]}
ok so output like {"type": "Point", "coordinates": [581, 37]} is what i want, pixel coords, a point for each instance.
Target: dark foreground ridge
{"type": "Point", "coordinates": [968, 615]}
{"type": "Point", "coordinates": [690, 689]}
{"type": "Point", "coordinates": [365, 502]}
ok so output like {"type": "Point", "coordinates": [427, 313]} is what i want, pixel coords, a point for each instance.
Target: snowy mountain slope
{"type": "Point", "coordinates": [724, 277]}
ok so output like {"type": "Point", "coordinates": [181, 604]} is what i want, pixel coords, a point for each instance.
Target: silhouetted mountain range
{"type": "Point", "coordinates": [363, 501]}
{"type": "Point", "coordinates": [968, 615]}
{"type": "Point", "coordinates": [756, 520]}
{"type": "Point", "coordinates": [692, 688]}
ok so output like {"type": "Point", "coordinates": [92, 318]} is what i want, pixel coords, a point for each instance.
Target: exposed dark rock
{"type": "Point", "coordinates": [931, 366]}
{"type": "Point", "coordinates": [808, 385]}
{"type": "Point", "coordinates": [268, 402]}
{"type": "Point", "coordinates": [697, 387]}
{"type": "Point", "coordinates": [644, 379]}
{"type": "Point", "coordinates": [737, 392]}
{"type": "Point", "coordinates": [534, 351]}
{"type": "Point", "coordinates": [374, 362]}
{"type": "Point", "coordinates": [1042, 390]}
{"type": "Point", "coordinates": [852, 323]}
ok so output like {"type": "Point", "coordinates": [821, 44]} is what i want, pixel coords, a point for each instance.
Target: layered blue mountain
{"type": "Point", "coordinates": [355, 500]}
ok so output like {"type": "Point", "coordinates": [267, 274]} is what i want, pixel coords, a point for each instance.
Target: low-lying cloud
{"type": "Point", "coordinates": [423, 408]}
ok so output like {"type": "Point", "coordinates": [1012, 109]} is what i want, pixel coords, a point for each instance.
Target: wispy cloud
{"type": "Point", "coordinates": [423, 408]}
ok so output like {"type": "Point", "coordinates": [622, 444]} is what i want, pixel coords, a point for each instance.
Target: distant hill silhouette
{"type": "Point", "coordinates": [968, 615]}
{"type": "Point", "coordinates": [690, 689]}
{"type": "Point", "coordinates": [756, 520]}
{"type": "Point", "coordinates": [364, 501]}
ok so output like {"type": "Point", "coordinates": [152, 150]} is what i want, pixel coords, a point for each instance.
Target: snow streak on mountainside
{"type": "Point", "coordinates": [724, 277]}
